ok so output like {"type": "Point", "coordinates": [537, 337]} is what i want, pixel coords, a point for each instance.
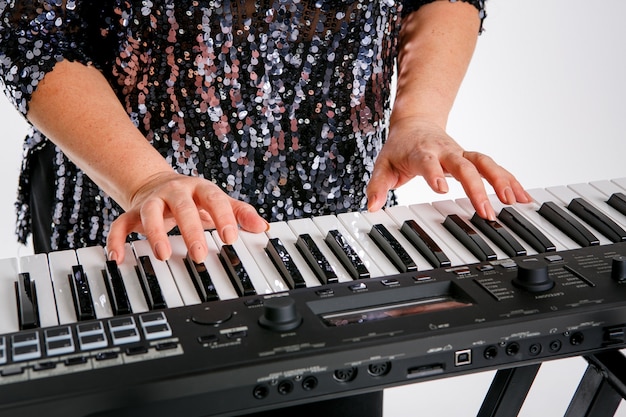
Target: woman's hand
{"type": "Point", "coordinates": [191, 203]}
{"type": "Point", "coordinates": [416, 146]}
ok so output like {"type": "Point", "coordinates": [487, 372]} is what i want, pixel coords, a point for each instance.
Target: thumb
{"type": "Point", "coordinates": [383, 179]}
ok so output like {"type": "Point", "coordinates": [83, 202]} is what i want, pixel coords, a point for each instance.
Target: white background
{"type": "Point", "coordinates": [545, 98]}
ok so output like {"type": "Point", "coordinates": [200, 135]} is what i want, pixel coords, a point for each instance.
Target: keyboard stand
{"type": "Point", "coordinates": [599, 393]}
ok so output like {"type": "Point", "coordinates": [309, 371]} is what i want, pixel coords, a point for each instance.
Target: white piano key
{"type": "Point", "coordinates": [497, 205]}
{"type": "Point", "coordinates": [382, 217]}
{"type": "Point", "coordinates": [597, 193]}
{"type": "Point", "coordinates": [540, 196]}
{"type": "Point", "coordinates": [179, 271]}
{"type": "Point", "coordinates": [38, 268]}
{"type": "Point", "coordinates": [134, 291]}
{"type": "Point", "coordinates": [330, 222]}
{"type": "Point", "coordinates": [359, 227]}
{"type": "Point", "coordinates": [61, 263]}
{"type": "Point", "coordinates": [93, 260]}
{"type": "Point", "coordinates": [257, 277]}
{"type": "Point", "coordinates": [621, 182]}
{"type": "Point", "coordinates": [162, 271]}
{"type": "Point", "coordinates": [400, 214]}
{"type": "Point", "coordinates": [282, 231]}
{"type": "Point", "coordinates": [256, 243]}
{"type": "Point", "coordinates": [449, 207]}
{"type": "Point", "coordinates": [9, 320]}
{"type": "Point", "coordinates": [302, 226]}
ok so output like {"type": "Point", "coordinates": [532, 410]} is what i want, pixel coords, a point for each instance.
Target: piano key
{"type": "Point", "coordinates": [597, 219]}
{"type": "Point", "coordinates": [424, 243]}
{"type": "Point", "coordinates": [181, 275]}
{"type": "Point", "coordinates": [238, 275]}
{"type": "Point", "coordinates": [61, 263]}
{"type": "Point", "coordinates": [617, 200]}
{"type": "Point", "coordinates": [93, 261]}
{"type": "Point", "coordinates": [504, 209]}
{"type": "Point", "coordinates": [38, 267]}
{"type": "Point", "coordinates": [621, 182]}
{"type": "Point", "coordinates": [316, 259]}
{"type": "Point", "coordinates": [531, 210]}
{"type": "Point", "coordinates": [526, 229]}
{"type": "Point", "coordinates": [118, 297]}
{"type": "Point", "coordinates": [382, 217]}
{"type": "Point", "coordinates": [282, 231]}
{"type": "Point", "coordinates": [568, 224]}
{"type": "Point", "coordinates": [359, 228]}
{"type": "Point", "coordinates": [257, 277]}
{"type": "Point", "coordinates": [220, 278]}
{"type": "Point", "coordinates": [202, 280]}
{"type": "Point", "coordinates": [307, 227]}
{"type": "Point", "coordinates": [338, 242]}
{"type": "Point", "coordinates": [600, 193]}
{"type": "Point", "coordinates": [499, 235]}
{"type": "Point", "coordinates": [129, 271]}
{"type": "Point", "coordinates": [401, 214]}
{"type": "Point", "coordinates": [26, 294]}
{"type": "Point", "coordinates": [329, 222]}
{"type": "Point", "coordinates": [81, 294]}
{"type": "Point", "coordinates": [285, 265]}
{"type": "Point", "coordinates": [256, 243]}
{"type": "Point", "coordinates": [166, 282]}
{"type": "Point", "coordinates": [394, 250]}
{"type": "Point", "coordinates": [9, 321]}
{"type": "Point", "coordinates": [457, 222]}
{"type": "Point", "coordinates": [150, 283]}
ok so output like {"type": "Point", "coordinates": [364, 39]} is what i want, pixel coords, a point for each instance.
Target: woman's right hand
{"type": "Point", "coordinates": [193, 204]}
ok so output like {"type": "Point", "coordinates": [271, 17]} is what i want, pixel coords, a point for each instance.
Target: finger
{"type": "Point", "coordinates": [471, 180]}
{"type": "Point", "coordinates": [433, 173]}
{"type": "Point", "coordinates": [506, 186]}
{"type": "Point", "coordinates": [116, 239]}
{"type": "Point", "coordinates": [248, 218]}
{"type": "Point", "coordinates": [383, 179]}
{"type": "Point", "coordinates": [218, 205]}
{"type": "Point", "coordinates": [190, 225]}
{"type": "Point", "coordinates": [152, 213]}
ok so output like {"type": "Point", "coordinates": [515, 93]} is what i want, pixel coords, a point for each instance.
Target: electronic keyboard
{"type": "Point", "coordinates": [315, 308]}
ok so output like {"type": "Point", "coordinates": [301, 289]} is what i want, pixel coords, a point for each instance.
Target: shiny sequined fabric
{"type": "Point", "coordinates": [282, 103]}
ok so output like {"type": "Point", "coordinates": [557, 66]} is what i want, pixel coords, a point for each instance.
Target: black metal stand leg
{"type": "Point", "coordinates": [508, 391]}
{"type": "Point", "coordinates": [602, 387]}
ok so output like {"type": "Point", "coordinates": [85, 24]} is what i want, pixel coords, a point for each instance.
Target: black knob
{"type": "Point", "coordinates": [532, 275]}
{"type": "Point", "coordinates": [280, 314]}
{"type": "Point", "coordinates": [618, 268]}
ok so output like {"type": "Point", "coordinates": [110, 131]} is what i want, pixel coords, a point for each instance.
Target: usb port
{"type": "Point", "coordinates": [463, 357]}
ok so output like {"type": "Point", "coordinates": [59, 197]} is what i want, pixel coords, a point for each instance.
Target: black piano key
{"type": "Point", "coordinates": [567, 224]}
{"type": "Point", "coordinates": [316, 259]}
{"type": "Point", "coordinates": [150, 284]}
{"type": "Point", "coordinates": [618, 202]}
{"type": "Point", "coordinates": [81, 294]}
{"type": "Point", "coordinates": [469, 238]}
{"type": "Point", "coordinates": [283, 262]}
{"type": "Point", "coordinates": [26, 296]}
{"type": "Point", "coordinates": [526, 230]}
{"type": "Point", "coordinates": [236, 272]}
{"type": "Point", "coordinates": [598, 220]}
{"type": "Point", "coordinates": [116, 289]}
{"type": "Point", "coordinates": [346, 254]}
{"type": "Point", "coordinates": [424, 244]}
{"type": "Point", "coordinates": [390, 246]}
{"type": "Point", "coordinates": [498, 235]}
{"type": "Point", "coordinates": [201, 280]}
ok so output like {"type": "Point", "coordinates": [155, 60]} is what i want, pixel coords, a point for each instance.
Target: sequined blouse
{"type": "Point", "coordinates": [282, 103]}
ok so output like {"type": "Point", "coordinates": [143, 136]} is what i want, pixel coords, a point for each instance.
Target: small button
{"type": "Point", "coordinates": [389, 282]}
{"type": "Point", "coordinates": [485, 268]}
{"type": "Point", "coordinates": [136, 350]}
{"type": "Point", "coordinates": [44, 366]}
{"type": "Point", "coordinates": [553, 258]}
{"type": "Point", "coordinates": [359, 286]}
{"type": "Point", "coordinates": [253, 302]}
{"type": "Point", "coordinates": [208, 338]}
{"type": "Point", "coordinates": [166, 346]}
{"type": "Point", "coordinates": [76, 360]}
{"type": "Point", "coordinates": [103, 356]}
{"type": "Point", "coordinates": [325, 292]}
{"type": "Point", "coordinates": [237, 334]}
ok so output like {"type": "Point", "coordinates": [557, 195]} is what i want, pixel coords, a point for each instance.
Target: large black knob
{"type": "Point", "coordinates": [618, 268]}
{"type": "Point", "coordinates": [532, 275]}
{"type": "Point", "coordinates": [280, 314]}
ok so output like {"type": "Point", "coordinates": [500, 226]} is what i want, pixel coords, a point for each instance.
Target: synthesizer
{"type": "Point", "coordinates": [315, 308]}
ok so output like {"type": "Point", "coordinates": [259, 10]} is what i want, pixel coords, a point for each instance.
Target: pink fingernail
{"type": "Point", "coordinates": [229, 234]}
{"type": "Point", "coordinates": [160, 251]}
{"type": "Point", "coordinates": [196, 251]}
{"type": "Point", "coordinates": [442, 185]}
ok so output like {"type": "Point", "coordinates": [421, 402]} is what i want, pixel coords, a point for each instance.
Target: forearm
{"type": "Point", "coordinates": [76, 108]}
{"type": "Point", "coordinates": [436, 46]}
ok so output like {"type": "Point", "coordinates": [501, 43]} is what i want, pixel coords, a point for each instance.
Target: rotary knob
{"type": "Point", "coordinates": [618, 268]}
{"type": "Point", "coordinates": [532, 275]}
{"type": "Point", "coordinates": [280, 314]}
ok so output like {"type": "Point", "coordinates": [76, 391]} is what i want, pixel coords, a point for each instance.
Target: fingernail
{"type": "Point", "coordinates": [196, 251]}
{"type": "Point", "coordinates": [160, 251]}
{"type": "Point", "coordinates": [442, 185]}
{"type": "Point", "coordinates": [267, 228]}
{"type": "Point", "coordinates": [488, 210]}
{"type": "Point", "coordinates": [229, 234]}
{"type": "Point", "coordinates": [372, 203]}
{"type": "Point", "coordinates": [112, 256]}
{"type": "Point", "coordinates": [509, 196]}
